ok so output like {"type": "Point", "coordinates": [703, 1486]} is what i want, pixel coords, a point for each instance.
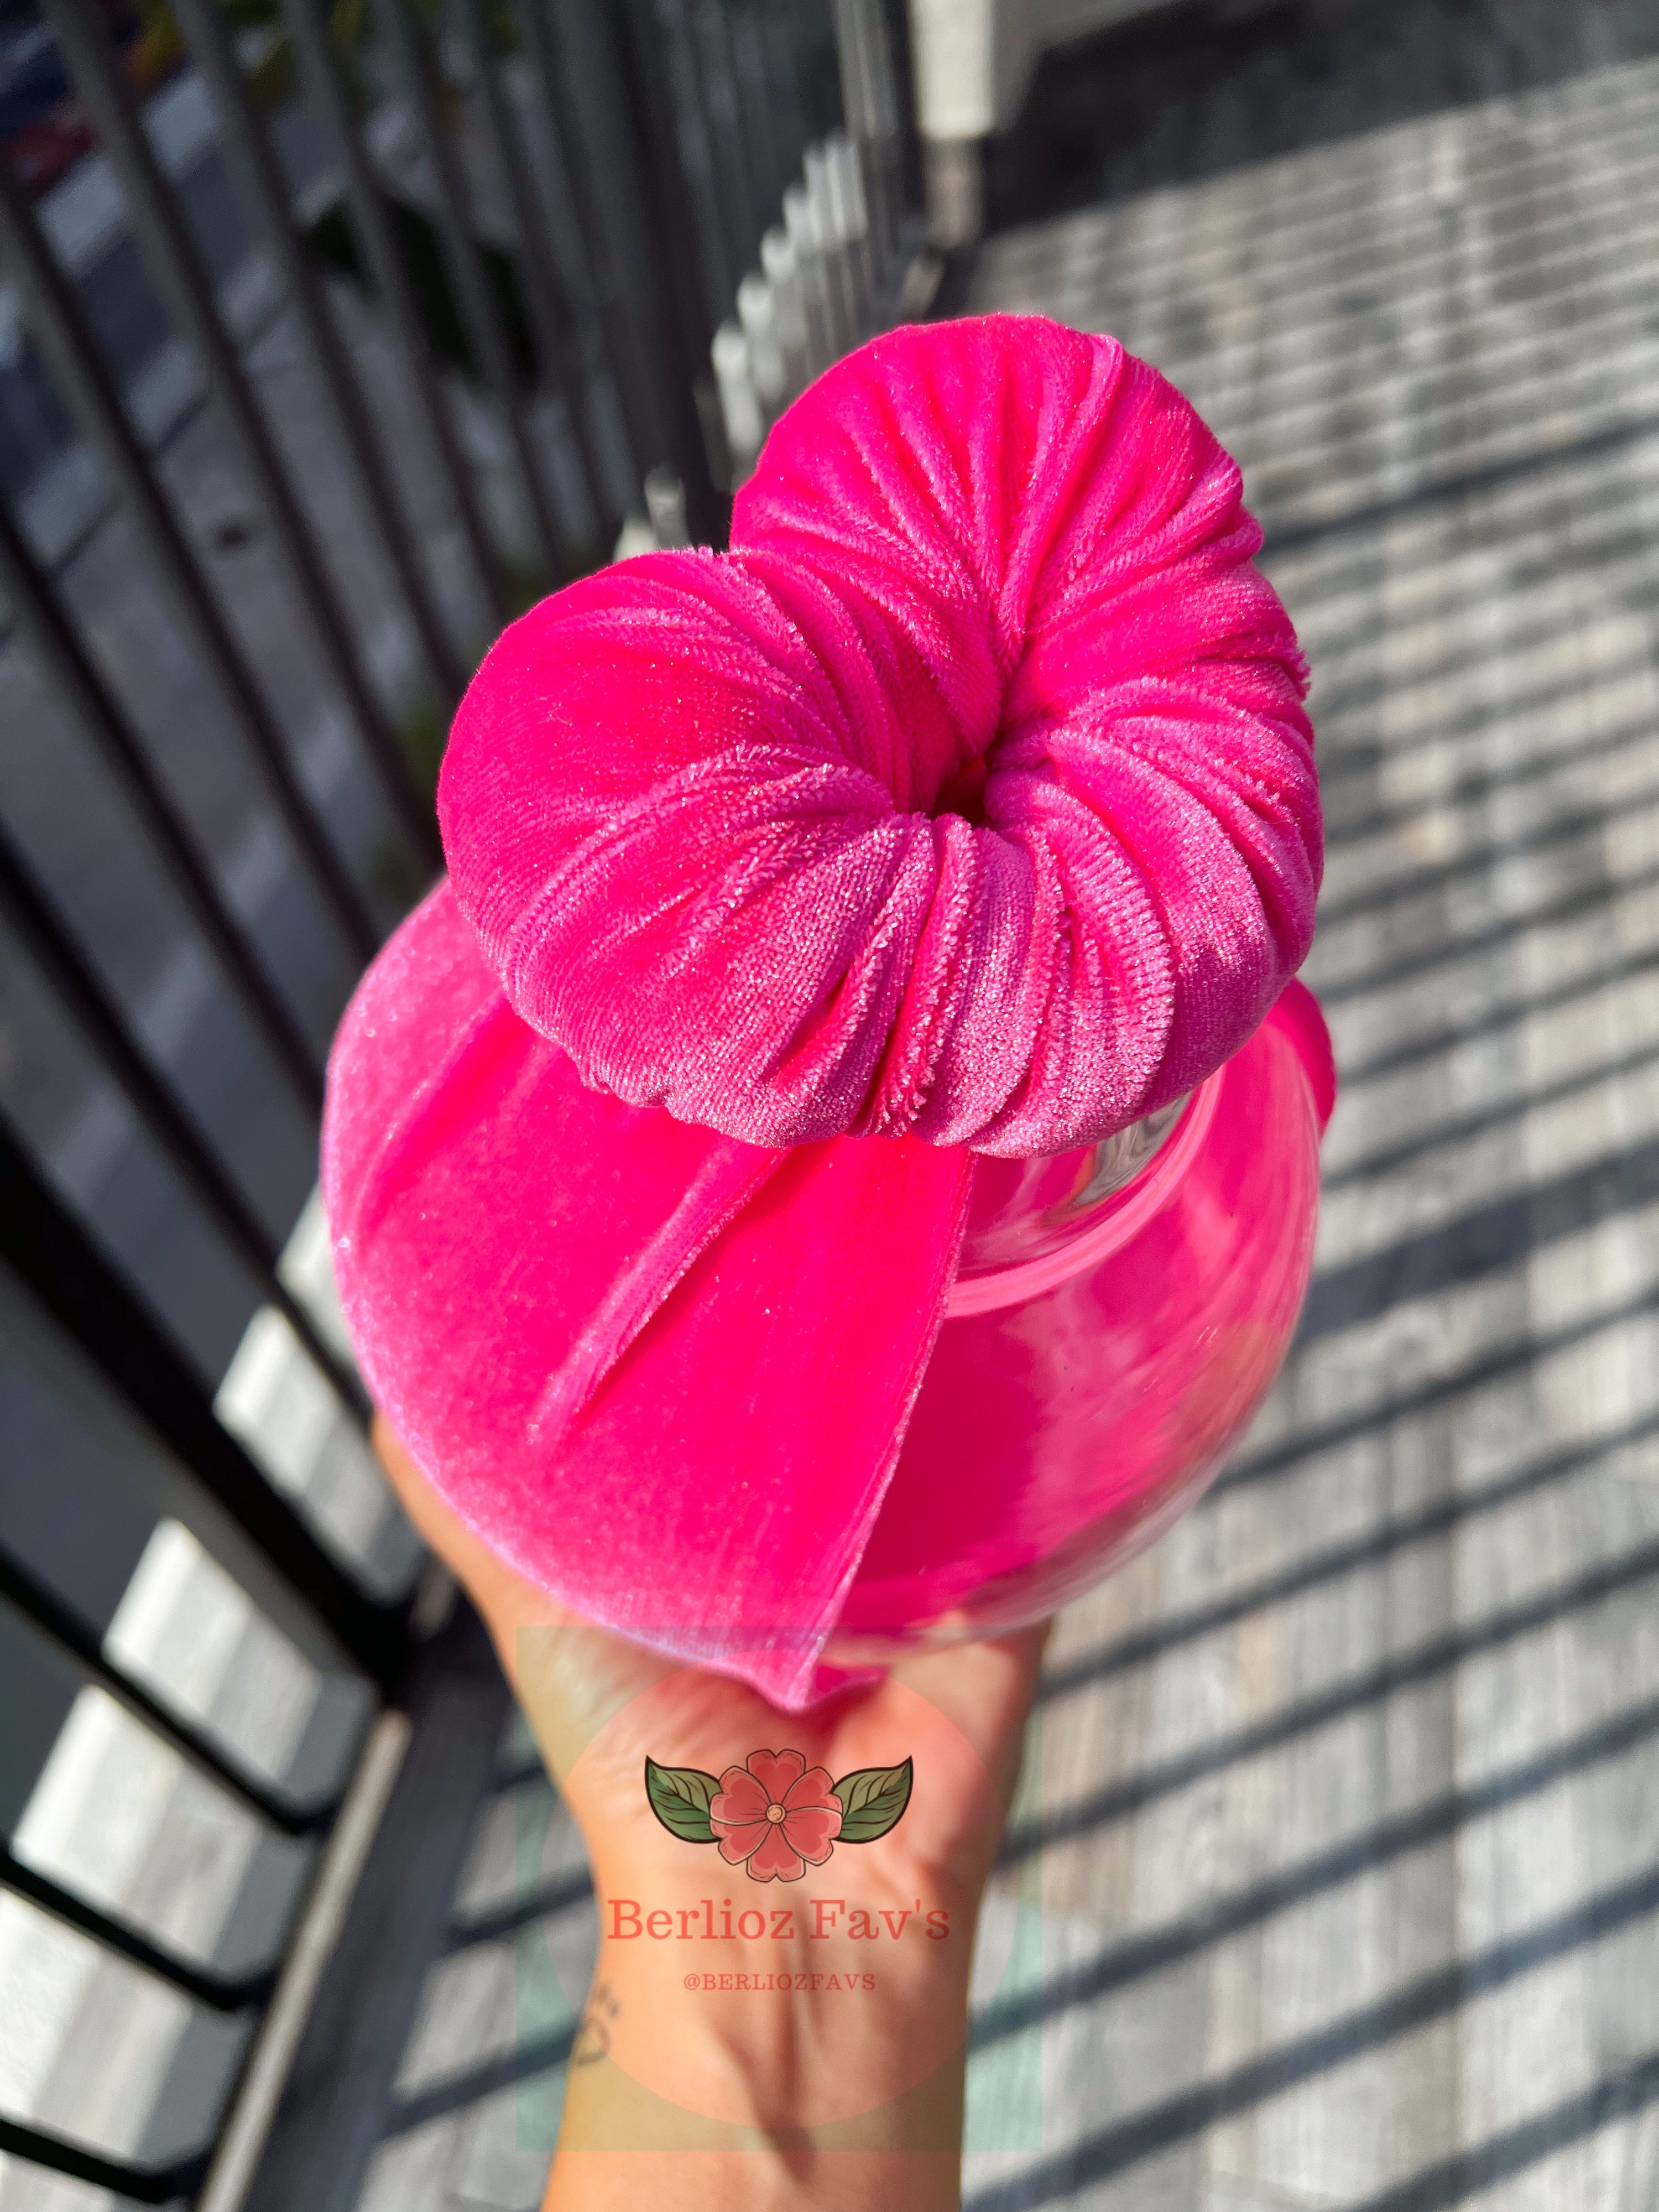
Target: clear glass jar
{"type": "Point", "coordinates": [1118, 1316]}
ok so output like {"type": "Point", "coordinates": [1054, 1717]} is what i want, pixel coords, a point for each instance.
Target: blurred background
{"type": "Point", "coordinates": [332, 337]}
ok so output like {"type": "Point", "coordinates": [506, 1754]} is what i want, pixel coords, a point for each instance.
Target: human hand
{"type": "Point", "coordinates": [820, 2061]}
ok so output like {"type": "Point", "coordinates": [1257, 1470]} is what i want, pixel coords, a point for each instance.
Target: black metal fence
{"type": "Point", "coordinates": [353, 334]}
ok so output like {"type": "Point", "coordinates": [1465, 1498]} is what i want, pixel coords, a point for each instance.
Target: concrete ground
{"type": "Point", "coordinates": [1349, 1794]}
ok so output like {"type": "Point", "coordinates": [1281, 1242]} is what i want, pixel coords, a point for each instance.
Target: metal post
{"type": "Point", "coordinates": [562, 366]}
{"type": "Point", "coordinates": [79, 1289]}
{"type": "Point", "coordinates": [780, 266]}
{"type": "Point", "coordinates": [211, 42]}
{"type": "Point", "coordinates": [822, 343]}
{"type": "Point", "coordinates": [775, 157]}
{"type": "Point", "coordinates": [710, 28]}
{"type": "Point", "coordinates": [158, 224]}
{"type": "Point", "coordinates": [690, 131]}
{"type": "Point", "coordinates": [907, 139]}
{"type": "Point", "coordinates": [29, 914]}
{"type": "Point", "coordinates": [838, 290]}
{"type": "Point", "coordinates": [598, 216]}
{"type": "Point", "coordinates": [681, 282]}
{"type": "Point", "coordinates": [869, 109]}
{"type": "Point", "coordinates": [481, 317]}
{"type": "Point", "coordinates": [55, 645]}
{"type": "Point", "coordinates": [777, 44]}
{"type": "Point", "coordinates": [55, 315]}
{"type": "Point", "coordinates": [377, 243]}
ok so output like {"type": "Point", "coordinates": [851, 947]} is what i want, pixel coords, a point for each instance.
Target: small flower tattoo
{"type": "Point", "coordinates": [592, 2041]}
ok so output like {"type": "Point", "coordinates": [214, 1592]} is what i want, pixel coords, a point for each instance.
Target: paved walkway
{"type": "Point", "coordinates": [1349, 1796]}
{"type": "Point", "coordinates": [1335, 1882]}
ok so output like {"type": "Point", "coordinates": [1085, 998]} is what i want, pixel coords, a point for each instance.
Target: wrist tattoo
{"type": "Point", "coordinates": [591, 2040]}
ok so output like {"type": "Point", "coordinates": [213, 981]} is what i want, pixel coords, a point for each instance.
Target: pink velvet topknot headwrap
{"type": "Point", "coordinates": [968, 803]}
{"type": "Point", "coordinates": [695, 807]}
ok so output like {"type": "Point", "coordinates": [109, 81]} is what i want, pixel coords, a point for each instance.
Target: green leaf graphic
{"type": "Point", "coordinates": [680, 1797]}
{"type": "Point", "coordinates": [873, 1801]}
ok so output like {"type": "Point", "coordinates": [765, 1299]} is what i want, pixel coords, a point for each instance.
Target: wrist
{"type": "Point", "coordinates": [758, 2007]}
{"type": "Point", "coordinates": [722, 2135]}
{"type": "Point", "coordinates": [766, 2055]}
{"type": "Point", "coordinates": [620, 2150]}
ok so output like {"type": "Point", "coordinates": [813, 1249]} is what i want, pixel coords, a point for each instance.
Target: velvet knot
{"type": "Point", "coordinates": [970, 797]}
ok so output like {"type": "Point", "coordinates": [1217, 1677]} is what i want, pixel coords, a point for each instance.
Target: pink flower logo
{"type": "Point", "coordinates": [775, 1815]}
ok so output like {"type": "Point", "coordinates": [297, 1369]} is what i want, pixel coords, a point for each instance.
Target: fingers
{"type": "Point", "coordinates": [572, 1677]}
{"type": "Point", "coordinates": [568, 1676]}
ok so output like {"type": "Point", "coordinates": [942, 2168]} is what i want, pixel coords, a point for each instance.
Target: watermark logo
{"type": "Point", "coordinates": [774, 1815]}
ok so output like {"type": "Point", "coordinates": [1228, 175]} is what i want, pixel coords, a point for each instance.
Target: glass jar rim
{"type": "Point", "coordinates": [1119, 1214]}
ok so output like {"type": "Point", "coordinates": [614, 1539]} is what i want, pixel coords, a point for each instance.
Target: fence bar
{"type": "Point", "coordinates": [691, 124]}
{"type": "Point", "coordinates": [773, 151]}
{"type": "Point", "coordinates": [821, 345]}
{"type": "Point", "coordinates": [777, 47]}
{"type": "Point", "coordinates": [481, 316]}
{"type": "Point", "coordinates": [45, 1614]}
{"type": "Point", "coordinates": [55, 314]}
{"type": "Point", "coordinates": [580, 182]}
{"type": "Point", "coordinates": [153, 2185]}
{"type": "Point", "coordinates": [55, 645]}
{"type": "Point", "coordinates": [212, 43]}
{"type": "Point", "coordinates": [27, 909]}
{"type": "Point", "coordinates": [850, 181]}
{"type": "Point", "coordinates": [158, 224]}
{"type": "Point", "coordinates": [710, 31]}
{"type": "Point", "coordinates": [377, 242]}
{"type": "Point", "coordinates": [869, 107]}
{"type": "Point", "coordinates": [780, 266]}
{"type": "Point", "coordinates": [562, 368]}
{"type": "Point", "coordinates": [677, 262]}
{"type": "Point", "coordinates": [751, 126]}
{"type": "Point", "coordinates": [81, 1290]}
{"type": "Point", "coordinates": [862, 105]}
{"type": "Point", "coordinates": [894, 23]}
{"type": "Point", "coordinates": [832, 253]}
{"type": "Point", "coordinates": [219, 1992]}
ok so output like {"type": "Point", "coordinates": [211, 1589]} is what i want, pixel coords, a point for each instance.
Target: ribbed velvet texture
{"type": "Point", "coordinates": [968, 804]}
{"type": "Point", "coordinates": [970, 797]}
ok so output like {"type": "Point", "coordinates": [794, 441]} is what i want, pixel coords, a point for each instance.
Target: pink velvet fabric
{"type": "Point", "coordinates": [967, 806]}
{"type": "Point", "coordinates": [970, 797]}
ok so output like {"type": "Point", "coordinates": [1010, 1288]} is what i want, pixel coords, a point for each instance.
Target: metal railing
{"type": "Point", "coordinates": [493, 250]}
{"type": "Point", "coordinates": [835, 267]}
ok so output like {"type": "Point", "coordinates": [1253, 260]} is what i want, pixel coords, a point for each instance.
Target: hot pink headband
{"type": "Point", "coordinates": [968, 803]}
